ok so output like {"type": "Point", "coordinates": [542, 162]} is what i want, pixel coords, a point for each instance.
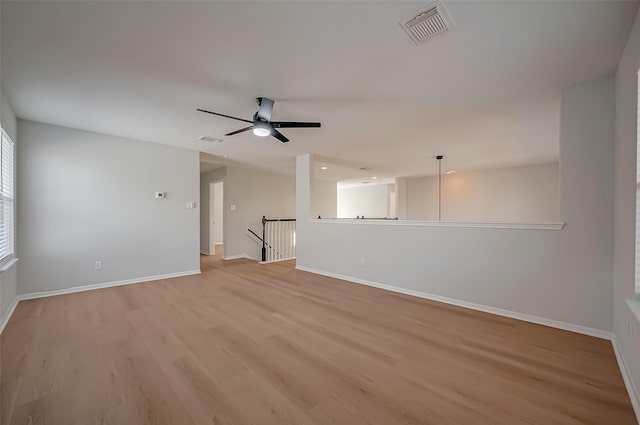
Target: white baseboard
{"type": "Point", "coordinates": [8, 313]}
{"type": "Point", "coordinates": [74, 289]}
{"type": "Point", "coordinates": [634, 395]}
{"type": "Point", "coordinates": [276, 261]}
{"type": "Point", "coordinates": [236, 257]}
{"type": "Point", "coordinates": [598, 333]}
{"type": "Point", "coordinates": [218, 243]}
{"type": "Point", "coordinates": [43, 294]}
{"type": "Point", "coordinates": [205, 253]}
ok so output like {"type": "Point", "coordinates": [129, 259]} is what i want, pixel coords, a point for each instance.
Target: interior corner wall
{"type": "Point", "coordinates": [625, 203]}
{"type": "Point", "coordinates": [206, 179]}
{"type": "Point", "coordinates": [8, 279]}
{"type": "Point", "coordinates": [253, 193]}
{"type": "Point", "coordinates": [87, 197]}
{"type": "Point", "coordinates": [525, 194]}
{"type": "Point", "coordinates": [8, 118]}
{"type": "Point", "coordinates": [563, 275]}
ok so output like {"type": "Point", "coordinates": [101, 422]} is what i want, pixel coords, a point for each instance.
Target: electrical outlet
{"type": "Point", "coordinates": [363, 261]}
{"type": "Point", "coordinates": [98, 265]}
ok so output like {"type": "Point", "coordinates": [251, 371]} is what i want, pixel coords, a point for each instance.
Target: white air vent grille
{"type": "Point", "coordinates": [433, 21]}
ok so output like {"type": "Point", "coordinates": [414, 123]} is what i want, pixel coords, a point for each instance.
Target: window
{"type": "Point", "coordinates": [6, 199]}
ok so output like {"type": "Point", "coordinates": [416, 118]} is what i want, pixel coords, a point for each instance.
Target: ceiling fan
{"type": "Point", "coordinates": [262, 125]}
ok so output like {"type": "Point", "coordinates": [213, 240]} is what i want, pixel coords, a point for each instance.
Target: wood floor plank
{"type": "Point", "coordinates": [249, 344]}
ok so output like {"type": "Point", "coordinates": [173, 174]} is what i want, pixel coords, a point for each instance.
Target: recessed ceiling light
{"type": "Point", "coordinates": [451, 172]}
{"type": "Point", "coordinates": [323, 168]}
{"type": "Point", "coordinates": [211, 139]}
{"type": "Point", "coordinates": [225, 156]}
{"type": "Point", "coordinates": [374, 177]}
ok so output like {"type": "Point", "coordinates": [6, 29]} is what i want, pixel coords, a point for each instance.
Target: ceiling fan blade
{"type": "Point", "coordinates": [266, 108]}
{"type": "Point", "coordinates": [293, 124]}
{"type": "Point", "coordinates": [222, 115]}
{"type": "Point", "coordinates": [275, 133]}
{"type": "Point", "coordinates": [239, 131]}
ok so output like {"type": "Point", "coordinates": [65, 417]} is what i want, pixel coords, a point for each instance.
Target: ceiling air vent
{"type": "Point", "coordinates": [432, 21]}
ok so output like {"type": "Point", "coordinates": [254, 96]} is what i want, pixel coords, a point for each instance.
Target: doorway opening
{"type": "Point", "coordinates": [216, 211]}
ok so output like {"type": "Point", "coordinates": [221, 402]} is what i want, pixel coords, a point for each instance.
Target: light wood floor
{"type": "Point", "coordinates": [265, 344]}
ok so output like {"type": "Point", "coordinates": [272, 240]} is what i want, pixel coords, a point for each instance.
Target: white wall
{"type": "Point", "coordinates": [8, 279]}
{"type": "Point", "coordinates": [217, 175]}
{"type": "Point", "coordinates": [254, 193]}
{"type": "Point", "coordinates": [218, 210]}
{"type": "Point", "coordinates": [371, 200]}
{"type": "Point", "coordinates": [625, 203]}
{"type": "Point", "coordinates": [86, 197]}
{"type": "Point", "coordinates": [525, 194]}
{"type": "Point", "coordinates": [563, 275]}
{"type": "Point", "coordinates": [325, 202]}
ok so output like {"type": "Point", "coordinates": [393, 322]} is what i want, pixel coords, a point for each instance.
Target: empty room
{"type": "Point", "coordinates": [319, 212]}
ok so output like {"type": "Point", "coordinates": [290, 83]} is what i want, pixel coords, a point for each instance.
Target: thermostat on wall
{"type": "Point", "coordinates": [160, 195]}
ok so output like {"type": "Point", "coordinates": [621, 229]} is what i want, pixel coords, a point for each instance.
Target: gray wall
{"type": "Point", "coordinates": [86, 197]}
{"type": "Point", "coordinates": [254, 193]}
{"type": "Point", "coordinates": [625, 202]}
{"type": "Point", "coordinates": [8, 279]}
{"type": "Point", "coordinates": [370, 201]}
{"type": "Point", "coordinates": [563, 275]}
{"type": "Point", "coordinates": [218, 212]}
{"type": "Point", "coordinates": [326, 199]}
{"type": "Point", "coordinates": [525, 194]}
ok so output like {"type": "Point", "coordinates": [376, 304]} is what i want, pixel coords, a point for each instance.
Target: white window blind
{"type": "Point", "coordinates": [6, 199]}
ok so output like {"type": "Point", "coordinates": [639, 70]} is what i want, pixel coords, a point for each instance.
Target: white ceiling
{"type": "Point", "coordinates": [485, 94]}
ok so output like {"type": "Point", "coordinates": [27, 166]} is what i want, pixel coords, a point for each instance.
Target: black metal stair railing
{"type": "Point", "coordinates": [278, 238]}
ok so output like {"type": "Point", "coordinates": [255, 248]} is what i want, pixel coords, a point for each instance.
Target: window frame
{"type": "Point", "coordinates": [7, 198]}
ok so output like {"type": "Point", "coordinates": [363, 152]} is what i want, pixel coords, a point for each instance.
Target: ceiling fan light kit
{"type": "Point", "coordinates": [261, 129]}
{"type": "Point", "coordinates": [261, 125]}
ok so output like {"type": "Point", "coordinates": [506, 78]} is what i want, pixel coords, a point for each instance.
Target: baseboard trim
{"type": "Point", "coordinates": [34, 295]}
{"type": "Point", "coordinates": [634, 395]}
{"type": "Point", "coordinates": [598, 333]}
{"type": "Point", "coordinates": [9, 313]}
{"type": "Point", "coordinates": [276, 261]}
{"type": "Point", "coordinates": [237, 257]}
